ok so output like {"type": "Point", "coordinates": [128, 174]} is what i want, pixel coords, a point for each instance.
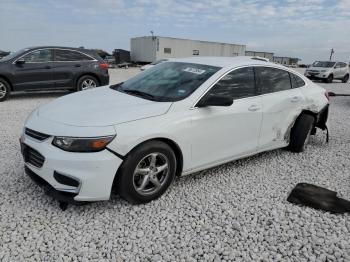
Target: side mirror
{"type": "Point", "coordinates": [215, 100]}
{"type": "Point", "coordinates": [20, 61]}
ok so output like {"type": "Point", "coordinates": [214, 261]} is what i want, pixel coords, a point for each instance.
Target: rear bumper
{"type": "Point", "coordinates": [322, 118]}
{"type": "Point", "coordinates": [104, 79]}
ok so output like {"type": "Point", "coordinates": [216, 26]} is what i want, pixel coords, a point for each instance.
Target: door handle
{"type": "Point", "coordinates": [47, 67]}
{"type": "Point", "coordinates": [295, 99]}
{"type": "Point", "coordinates": [254, 108]}
{"type": "Point", "coordinates": [77, 65]}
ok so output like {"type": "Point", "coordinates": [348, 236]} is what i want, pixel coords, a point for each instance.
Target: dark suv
{"type": "Point", "coordinates": [49, 68]}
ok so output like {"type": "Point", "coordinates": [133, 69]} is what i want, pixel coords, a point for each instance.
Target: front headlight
{"type": "Point", "coordinates": [77, 144]}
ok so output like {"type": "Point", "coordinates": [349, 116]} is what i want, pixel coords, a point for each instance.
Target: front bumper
{"type": "Point", "coordinates": [93, 172]}
{"type": "Point", "coordinates": [316, 76]}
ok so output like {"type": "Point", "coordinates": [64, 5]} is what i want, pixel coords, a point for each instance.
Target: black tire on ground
{"type": "Point", "coordinates": [128, 183]}
{"type": "Point", "coordinates": [345, 78]}
{"type": "Point", "coordinates": [300, 133]}
{"type": "Point", "coordinates": [329, 79]}
{"type": "Point", "coordinates": [5, 89]}
{"type": "Point", "coordinates": [86, 79]}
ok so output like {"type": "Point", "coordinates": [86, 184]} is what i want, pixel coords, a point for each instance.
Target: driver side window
{"type": "Point", "coordinates": [38, 56]}
{"type": "Point", "coordinates": [238, 84]}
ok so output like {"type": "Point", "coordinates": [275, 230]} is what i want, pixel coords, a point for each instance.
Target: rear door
{"type": "Point", "coordinates": [35, 72]}
{"type": "Point", "coordinates": [281, 105]}
{"type": "Point", "coordinates": [68, 65]}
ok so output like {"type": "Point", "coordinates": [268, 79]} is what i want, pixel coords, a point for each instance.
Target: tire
{"type": "Point", "coordinates": [5, 89]}
{"type": "Point", "coordinates": [345, 78]}
{"type": "Point", "coordinates": [87, 82]}
{"type": "Point", "coordinates": [301, 132]}
{"type": "Point", "coordinates": [329, 79]}
{"type": "Point", "coordinates": [142, 187]}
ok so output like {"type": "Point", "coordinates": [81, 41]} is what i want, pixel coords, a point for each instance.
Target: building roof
{"type": "Point", "coordinates": [203, 41]}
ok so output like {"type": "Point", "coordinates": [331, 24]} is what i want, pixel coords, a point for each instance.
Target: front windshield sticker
{"type": "Point", "coordinates": [194, 70]}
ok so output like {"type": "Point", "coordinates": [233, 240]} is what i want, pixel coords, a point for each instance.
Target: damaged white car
{"type": "Point", "coordinates": [176, 118]}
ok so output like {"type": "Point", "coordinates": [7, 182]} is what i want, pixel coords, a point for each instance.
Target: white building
{"type": "Point", "coordinates": [151, 48]}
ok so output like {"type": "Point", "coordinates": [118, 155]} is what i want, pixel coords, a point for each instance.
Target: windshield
{"type": "Point", "coordinates": [323, 64]}
{"type": "Point", "coordinates": [167, 82]}
{"type": "Point", "coordinates": [12, 55]}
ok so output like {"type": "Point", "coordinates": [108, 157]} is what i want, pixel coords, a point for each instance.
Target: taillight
{"type": "Point", "coordinates": [327, 95]}
{"type": "Point", "coordinates": [104, 66]}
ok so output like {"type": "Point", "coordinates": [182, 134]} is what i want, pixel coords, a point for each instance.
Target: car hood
{"type": "Point", "coordinates": [102, 106]}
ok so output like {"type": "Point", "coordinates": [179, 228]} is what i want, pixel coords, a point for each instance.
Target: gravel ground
{"type": "Point", "coordinates": [234, 212]}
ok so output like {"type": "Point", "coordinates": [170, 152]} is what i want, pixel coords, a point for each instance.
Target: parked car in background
{"type": "Point", "coordinates": [145, 67]}
{"type": "Point", "coordinates": [178, 117]}
{"type": "Point", "coordinates": [49, 68]}
{"type": "Point", "coordinates": [328, 71]}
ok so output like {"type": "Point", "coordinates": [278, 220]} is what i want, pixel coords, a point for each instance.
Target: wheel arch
{"type": "Point", "coordinates": [173, 145]}
{"type": "Point", "coordinates": [8, 81]}
{"type": "Point", "coordinates": [87, 74]}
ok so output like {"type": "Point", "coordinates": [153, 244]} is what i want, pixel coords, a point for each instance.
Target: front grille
{"type": "Point", "coordinates": [32, 156]}
{"type": "Point", "coordinates": [36, 135]}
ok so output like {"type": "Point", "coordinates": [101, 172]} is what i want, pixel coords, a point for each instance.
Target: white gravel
{"type": "Point", "coordinates": [234, 212]}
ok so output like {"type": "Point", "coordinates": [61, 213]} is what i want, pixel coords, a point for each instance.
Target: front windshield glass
{"type": "Point", "coordinates": [323, 64]}
{"type": "Point", "coordinates": [12, 55]}
{"type": "Point", "coordinates": [167, 82]}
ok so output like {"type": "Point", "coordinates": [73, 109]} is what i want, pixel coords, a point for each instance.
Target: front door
{"type": "Point", "coordinates": [224, 133]}
{"type": "Point", "coordinates": [34, 71]}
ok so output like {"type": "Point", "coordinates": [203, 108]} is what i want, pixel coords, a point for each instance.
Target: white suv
{"type": "Point", "coordinates": [176, 118]}
{"type": "Point", "coordinates": [327, 71]}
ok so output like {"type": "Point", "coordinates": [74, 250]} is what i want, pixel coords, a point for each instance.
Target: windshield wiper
{"type": "Point", "coordinates": [138, 93]}
{"type": "Point", "coordinates": [116, 86]}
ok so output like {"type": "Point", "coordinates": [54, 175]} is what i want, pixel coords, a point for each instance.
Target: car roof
{"type": "Point", "coordinates": [224, 62]}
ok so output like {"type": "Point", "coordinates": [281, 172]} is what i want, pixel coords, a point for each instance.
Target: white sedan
{"type": "Point", "coordinates": [176, 118]}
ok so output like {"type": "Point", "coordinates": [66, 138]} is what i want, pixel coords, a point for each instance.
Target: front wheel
{"type": "Point", "coordinates": [329, 79]}
{"type": "Point", "coordinates": [4, 89]}
{"type": "Point", "coordinates": [146, 173]}
{"type": "Point", "coordinates": [345, 79]}
{"type": "Point", "coordinates": [87, 82]}
{"type": "Point", "coordinates": [300, 133]}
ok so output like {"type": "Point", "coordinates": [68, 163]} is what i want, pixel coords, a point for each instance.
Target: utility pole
{"type": "Point", "coordinates": [332, 52]}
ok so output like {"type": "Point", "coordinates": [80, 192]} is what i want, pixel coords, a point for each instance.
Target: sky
{"type": "Point", "coordinates": [306, 29]}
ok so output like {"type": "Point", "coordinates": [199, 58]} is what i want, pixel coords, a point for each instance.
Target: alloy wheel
{"type": "Point", "coordinates": [88, 84]}
{"type": "Point", "coordinates": [151, 173]}
{"type": "Point", "coordinates": [3, 90]}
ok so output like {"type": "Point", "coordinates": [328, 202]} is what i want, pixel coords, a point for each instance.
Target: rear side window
{"type": "Point", "coordinates": [69, 56]}
{"type": "Point", "coordinates": [239, 83]}
{"type": "Point", "coordinates": [272, 80]}
{"type": "Point", "coordinates": [38, 56]}
{"type": "Point", "coordinates": [296, 81]}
